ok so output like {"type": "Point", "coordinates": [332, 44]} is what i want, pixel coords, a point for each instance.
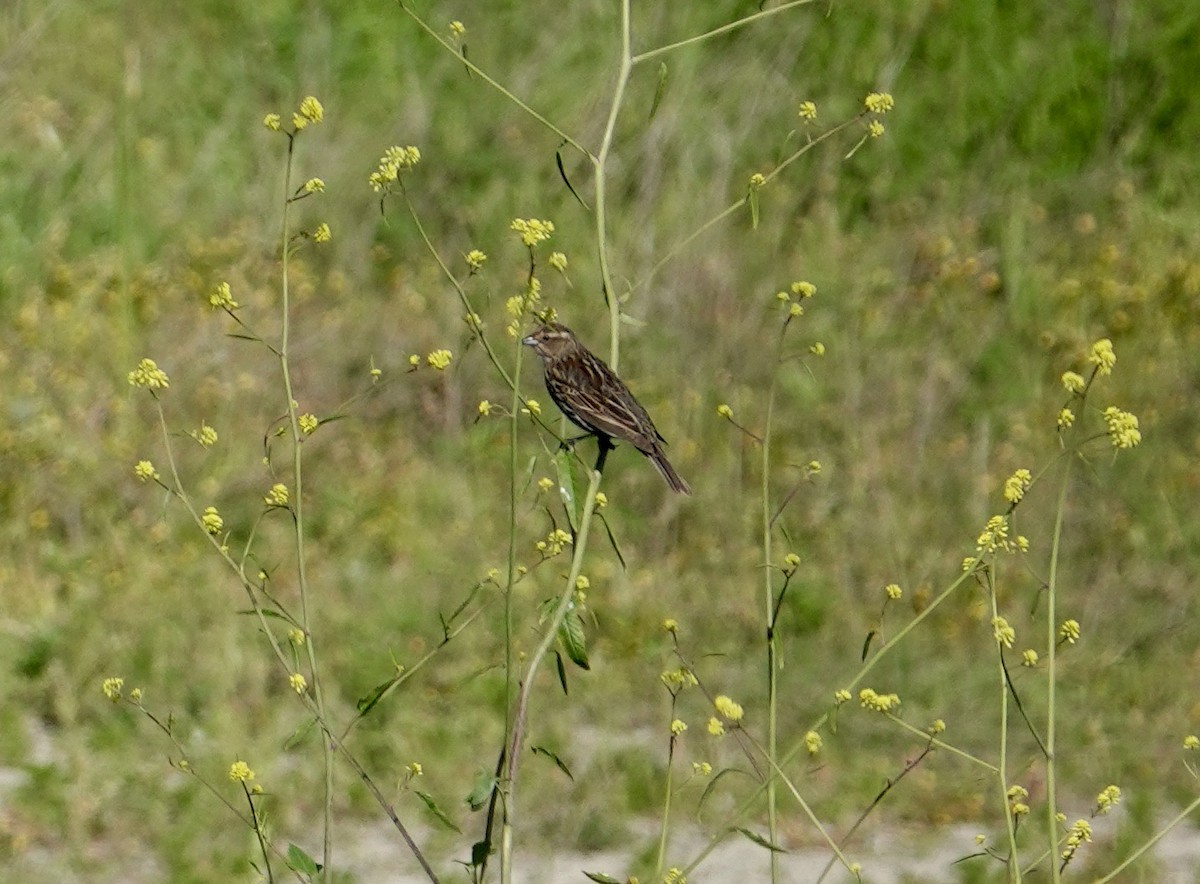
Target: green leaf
{"type": "Point", "coordinates": [437, 811]}
{"type": "Point", "coordinates": [867, 643]}
{"type": "Point", "coordinates": [481, 791]}
{"type": "Point", "coordinates": [567, 181]}
{"type": "Point", "coordinates": [559, 763]}
{"type": "Point", "coordinates": [266, 612]}
{"type": "Point", "coordinates": [612, 540]}
{"type": "Point", "coordinates": [659, 89]}
{"type": "Point", "coordinates": [753, 198]}
{"type": "Point", "coordinates": [571, 636]}
{"type": "Point", "coordinates": [480, 851]}
{"type": "Point", "coordinates": [601, 878]}
{"type": "Point", "coordinates": [367, 703]}
{"type": "Point", "coordinates": [760, 840]}
{"type": "Point", "coordinates": [564, 467]}
{"type": "Point", "coordinates": [303, 863]}
{"type": "Point", "coordinates": [299, 734]}
{"type": "Point", "coordinates": [562, 673]}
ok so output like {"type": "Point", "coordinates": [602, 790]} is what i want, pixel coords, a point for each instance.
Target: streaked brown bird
{"type": "Point", "coordinates": [593, 398]}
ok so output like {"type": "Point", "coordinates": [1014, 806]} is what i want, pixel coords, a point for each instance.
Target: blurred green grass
{"type": "Point", "coordinates": [1034, 191]}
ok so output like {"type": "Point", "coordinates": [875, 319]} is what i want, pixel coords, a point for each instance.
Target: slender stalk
{"type": "Point", "coordinates": [1141, 851]}
{"type": "Point", "coordinates": [1052, 672]}
{"type": "Point", "coordinates": [1014, 865]}
{"type": "Point", "coordinates": [660, 861]}
{"type": "Point", "coordinates": [733, 25]}
{"type": "Point", "coordinates": [600, 162]}
{"type": "Point", "coordinates": [298, 512]}
{"type": "Point", "coordinates": [517, 739]}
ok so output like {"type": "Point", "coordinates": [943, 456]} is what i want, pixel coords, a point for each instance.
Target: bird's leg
{"type": "Point", "coordinates": [606, 445]}
{"type": "Point", "coordinates": [569, 444]}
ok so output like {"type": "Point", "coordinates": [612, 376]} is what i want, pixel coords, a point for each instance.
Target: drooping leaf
{"type": "Point", "coordinates": [367, 703]}
{"type": "Point", "coordinates": [562, 673]}
{"type": "Point", "coordinates": [482, 790]}
{"type": "Point", "coordinates": [760, 840]}
{"type": "Point", "coordinates": [558, 762]}
{"type": "Point", "coordinates": [659, 89]}
{"type": "Point", "coordinates": [303, 863]}
{"type": "Point", "coordinates": [601, 878]}
{"type": "Point", "coordinates": [436, 811]}
{"type": "Point", "coordinates": [299, 734]}
{"type": "Point", "coordinates": [571, 636]}
{"type": "Point", "coordinates": [564, 469]}
{"type": "Point", "coordinates": [567, 181]}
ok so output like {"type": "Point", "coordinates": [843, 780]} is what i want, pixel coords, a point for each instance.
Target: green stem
{"type": "Point", "coordinates": [666, 814]}
{"type": "Point", "coordinates": [1051, 673]}
{"type": "Point", "coordinates": [517, 738]}
{"type": "Point", "coordinates": [1014, 866]}
{"type": "Point", "coordinates": [1137, 854]}
{"type": "Point", "coordinates": [741, 22]}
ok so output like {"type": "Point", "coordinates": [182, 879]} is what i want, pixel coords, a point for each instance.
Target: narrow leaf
{"type": "Point", "coordinates": [753, 198]}
{"type": "Point", "coordinates": [612, 539]}
{"type": "Point", "coordinates": [563, 467]}
{"type": "Point", "coordinates": [302, 862]}
{"type": "Point", "coordinates": [867, 642]}
{"type": "Point", "coordinates": [601, 878]}
{"type": "Point", "coordinates": [660, 89]}
{"type": "Point", "coordinates": [367, 703]}
{"type": "Point", "coordinates": [567, 181]}
{"type": "Point", "coordinates": [760, 840]}
{"type": "Point", "coordinates": [559, 763]}
{"type": "Point", "coordinates": [299, 734]}
{"type": "Point", "coordinates": [562, 673]}
{"type": "Point", "coordinates": [437, 811]}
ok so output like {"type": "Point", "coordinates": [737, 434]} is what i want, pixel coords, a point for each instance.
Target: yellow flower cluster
{"type": "Point", "coordinates": [475, 259]}
{"type": "Point", "coordinates": [149, 376]}
{"type": "Point", "coordinates": [1069, 631]}
{"type": "Point", "coordinates": [308, 423]}
{"type": "Point", "coordinates": [298, 682]}
{"type": "Point", "coordinates": [670, 625]}
{"type": "Point", "coordinates": [1122, 427]}
{"type": "Point", "coordinates": [322, 233]}
{"type": "Point", "coordinates": [1029, 657]}
{"type": "Point", "coordinates": [1004, 633]}
{"type": "Point", "coordinates": [879, 102]}
{"type": "Point", "coordinates": [813, 742]}
{"type": "Point", "coordinates": [678, 679]}
{"type": "Point", "coordinates": [1016, 800]}
{"type": "Point", "coordinates": [1073, 382]}
{"type": "Point", "coordinates": [1016, 485]}
{"type": "Point", "coordinates": [206, 435]}
{"type": "Point", "coordinates": [1066, 417]}
{"type": "Point", "coordinates": [212, 521]}
{"type": "Point", "coordinates": [396, 159]}
{"type": "Point", "coordinates": [112, 688]}
{"type": "Point", "coordinates": [1108, 799]}
{"type": "Point", "coordinates": [144, 470]}
{"type": "Point", "coordinates": [725, 411]}
{"type": "Point", "coordinates": [869, 699]}
{"type": "Point", "coordinates": [310, 111]}
{"type": "Point", "coordinates": [533, 230]}
{"type": "Point", "coordinates": [808, 111]}
{"type": "Point", "coordinates": [1081, 831]}
{"type": "Point", "coordinates": [757, 180]}
{"type": "Point", "coordinates": [729, 710]}
{"type": "Point", "coordinates": [678, 727]}
{"type": "Point", "coordinates": [558, 261]}
{"type": "Point", "coordinates": [277, 496]}
{"type": "Point", "coordinates": [439, 359]}
{"type": "Point", "coordinates": [222, 298]}
{"type": "Point", "coordinates": [240, 772]}
{"type": "Point", "coordinates": [1102, 356]}
{"type": "Point", "coordinates": [554, 542]}
{"type": "Point", "coordinates": [893, 591]}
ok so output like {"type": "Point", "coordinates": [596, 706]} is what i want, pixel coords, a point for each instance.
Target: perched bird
{"type": "Point", "coordinates": [591, 395]}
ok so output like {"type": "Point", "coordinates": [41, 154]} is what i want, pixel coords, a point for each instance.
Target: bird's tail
{"type": "Point", "coordinates": [668, 472]}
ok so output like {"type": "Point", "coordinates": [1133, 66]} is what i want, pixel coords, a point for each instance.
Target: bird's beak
{"type": "Point", "coordinates": [528, 341]}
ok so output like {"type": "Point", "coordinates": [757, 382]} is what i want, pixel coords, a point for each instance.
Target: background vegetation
{"type": "Point", "coordinates": [1034, 191]}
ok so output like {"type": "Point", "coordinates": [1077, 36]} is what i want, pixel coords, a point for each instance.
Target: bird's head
{"type": "Point", "coordinates": [551, 341]}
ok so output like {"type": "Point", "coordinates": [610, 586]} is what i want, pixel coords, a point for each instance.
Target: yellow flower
{"type": "Point", "coordinates": [533, 231]}
{"type": "Point", "coordinates": [314, 185]}
{"type": "Point", "coordinates": [112, 688]}
{"type": "Point", "coordinates": [532, 406]}
{"type": "Point", "coordinates": [273, 122]}
{"type": "Point", "coordinates": [1066, 417]}
{"type": "Point", "coordinates": [277, 496]}
{"type": "Point", "coordinates": [879, 102]}
{"type": "Point", "coordinates": [1191, 742]}
{"type": "Point", "coordinates": [222, 298]}
{"type": "Point", "coordinates": [558, 261]}
{"type": "Point", "coordinates": [475, 259]}
{"type": "Point", "coordinates": [808, 110]}
{"type": "Point", "coordinates": [545, 483]}
{"type": "Point", "coordinates": [1073, 382]}
{"type": "Point", "coordinates": [212, 521]}
{"type": "Point", "coordinates": [1029, 657]}
{"type": "Point", "coordinates": [457, 30]}
{"type": "Point", "coordinates": [674, 875]}
{"type": "Point", "coordinates": [396, 159]}
{"type": "Point", "coordinates": [729, 710]}
{"type": "Point", "coordinates": [869, 699]}
{"type": "Point", "coordinates": [937, 727]}
{"type": "Point", "coordinates": [414, 768]}
{"type": "Point", "coordinates": [296, 637]}
{"type": "Point", "coordinates": [813, 467]}
{"type": "Point", "coordinates": [803, 288]}
{"type": "Point", "coordinates": [875, 128]}
{"type": "Point", "coordinates": [1003, 633]}
{"type": "Point", "coordinates": [757, 180]}
{"type": "Point", "coordinates": [701, 768]}
{"type": "Point", "coordinates": [601, 500]}
{"type": "Point", "coordinates": [791, 561]}
{"type": "Point", "coordinates": [678, 727]}
{"type": "Point", "coordinates": [1102, 356]}
{"type": "Point", "coordinates": [144, 470]}
{"type": "Point", "coordinates": [1108, 799]}
{"type": "Point", "coordinates": [841, 696]}
{"type": "Point", "coordinates": [240, 772]}
{"type": "Point", "coordinates": [308, 423]}
{"type": "Point", "coordinates": [322, 233]}
{"type": "Point", "coordinates": [135, 696]}
{"type": "Point", "coordinates": [311, 110]}
{"type": "Point", "coordinates": [670, 625]}
{"type": "Point", "coordinates": [893, 591]}
{"type": "Point", "coordinates": [298, 683]}
{"type": "Point", "coordinates": [1069, 631]}
{"type": "Point", "coordinates": [725, 411]}
{"type": "Point", "coordinates": [1122, 427]}
{"type": "Point", "coordinates": [439, 359]}
{"type": "Point", "coordinates": [149, 376]}
{"type": "Point", "coordinates": [813, 742]}
{"type": "Point", "coordinates": [715, 727]}
{"type": "Point", "coordinates": [582, 583]}
{"type": "Point", "coordinates": [206, 435]}
{"type": "Point", "coordinates": [1016, 485]}
{"type": "Point", "coordinates": [795, 310]}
